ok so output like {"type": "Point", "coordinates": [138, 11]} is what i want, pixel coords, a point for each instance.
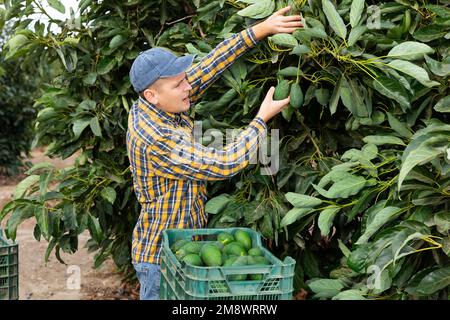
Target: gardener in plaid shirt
{"type": "Point", "coordinates": [169, 168]}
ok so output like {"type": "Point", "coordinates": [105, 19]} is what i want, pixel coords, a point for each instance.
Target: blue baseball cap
{"type": "Point", "coordinates": [156, 63]}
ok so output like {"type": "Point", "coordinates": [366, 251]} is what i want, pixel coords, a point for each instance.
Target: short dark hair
{"type": "Point", "coordinates": [141, 94]}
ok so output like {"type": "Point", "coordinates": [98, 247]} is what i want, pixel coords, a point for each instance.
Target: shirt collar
{"type": "Point", "coordinates": [169, 116]}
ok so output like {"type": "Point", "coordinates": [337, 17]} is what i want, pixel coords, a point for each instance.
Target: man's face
{"type": "Point", "coordinates": [170, 94]}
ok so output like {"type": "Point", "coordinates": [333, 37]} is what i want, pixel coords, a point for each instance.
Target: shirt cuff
{"type": "Point", "coordinates": [259, 125]}
{"type": "Point", "coordinates": [249, 38]}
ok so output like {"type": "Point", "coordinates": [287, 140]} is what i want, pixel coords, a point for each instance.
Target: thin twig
{"type": "Point", "coordinates": [202, 34]}
{"type": "Point", "coordinates": [181, 19]}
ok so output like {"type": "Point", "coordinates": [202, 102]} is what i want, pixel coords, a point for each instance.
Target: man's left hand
{"type": "Point", "coordinates": [278, 23]}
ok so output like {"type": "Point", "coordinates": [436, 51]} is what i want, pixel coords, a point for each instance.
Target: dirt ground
{"type": "Point", "coordinates": [55, 281]}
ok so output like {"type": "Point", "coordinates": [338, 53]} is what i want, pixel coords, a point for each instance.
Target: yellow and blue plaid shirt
{"type": "Point", "coordinates": [170, 188]}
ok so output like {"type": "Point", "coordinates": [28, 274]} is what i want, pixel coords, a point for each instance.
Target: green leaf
{"type": "Point", "coordinates": [90, 78]}
{"type": "Point", "coordinates": [347, 96]}
{"type": "Point", "coordinates": [334, 100]}
{"type": "Point", "coordinates": [39, 166]}
{"type": "Point", "coordinates": [362, 203]}
{"type": "Point", "coordinates": [95, 127]}
{"type": "Point", "coordinates": [369, 151]}
{"type": "Point", "coordinates": [352, 294]}
{"type": "Point", "coordinates": [288, 112]}
{"type": "Point", "coordinates": [216, 204]}
{"type": "Point", "coordinates": [310, 32]}
{"type": "Point", "coordinates": [344, 188]}
{"type": "Point", "coordinates": [17, 41]}
{"type": "Point", "coordinates": [400, 127]}
{"type": "Point", "coordinates": [347, 187]}
{"type": "Point", "coordinates": [294, 215]}
{"type": "Point", "coordinates": [357, 258]}
{"type": "Point", "coordinates": [429, 33]}
{"type": "Point", "coordinates": [334, 19]}
{"type": "Point", "coordinates": [14, 44]}
{"type": "Point", "coordinates": [416, 278]}
{"type": "Point", "coordinates": [258, 9]}
{"type": "Point", "coordinates": [239, 70]}
{"type": "Point", "coordinates": [345, 251]}
{"type": "Point", "coordinates": [356, 10]}
{"type": "Point", "coordinates": [419, 152]}
{"type": "Point", "coordinates": [400, 244]}
{"type": "Point", "coordinates": [284, 40]}
{"type": "Point", "coordinates": [117, 41]}
{"type": "Point", "coordinates": [300, 50]}
{"type": "Point", "coordinates": [442, 221]}
{"type": "Point", "coordinates": [329, 287]}
{"type": "Point", "coordinates": [109, 194]}
{"type": "Point", "coordinates": [18, 215]}
{"type": "Point", "coordinates": [434, 281]}
{"type": "Point", "coordinates": [302, 201]}
{"type": "Point", "coordinates": [410, 50]}
{"type": "Point", "coordinates": [49, 249]}
{"type": "Point", "coordinates": [44, 181]}
{"type": "Point", "coordinates": [69, 60]}
{"type": "Point", "coordinates": [392, 89]}
{"type": "Point", "coordinates": [414, 71]}
{"type": "Point", "coordinates": [322, 95]}
{"type": "Point", "coordinates": [71, 41]}
{"type": "Point", "coordinates": [440, 10]}
{"type": "Point", "coordinates": [325, 220]}
{"type": "Point", "coordinates": [106, 65]}
{"type": "Point", "coordinates": [438, 68]}
{"type": "Point", "coordinates": [79, 126]}
{"type": "Point", "coordinates": [314, 23]}
{"type": "Point", "coordinates": [381, 281]}
{"type": "Point", "coordinates": [375, 221]}
{"type": "Point", "coordinates": [382, 140]}
{"type": "Point", "coordinates": [362, 109]}
{"type": "Point", "coordinates": [355, 34]}
{"type": "Point", "coordinates": [95, 228]}
{"type": "Point", "coordinates": [337, 173]}
{"type": "Point", "coordinates": [88, 104]}
{"type": "Point", "coordinates": [69, 217]}
{"type": "Point", "coordinates": [434, 125]}
{"type": "Point", "coordinates": [56, 4]}
{"type": "Point", "coordinates": [446, 246]}
{"type": "Point", "coordinates": [443, 105]}
{"type": "Point", "coordinates": [23, 185]}
{"type": "Point", "coordinates": [289, 72]}
{"type": "Point", "coordinates": [46, 114]}
{"type": "Point", "coordinates": [42, 219]}
{"type": "Point", "coordinates": [352, 98]}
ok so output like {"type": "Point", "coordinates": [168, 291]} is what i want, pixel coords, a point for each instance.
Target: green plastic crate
{"type": "Point", "coordinates": [9, 269]}
{"type": "Point", "coordinates": [180, 281]}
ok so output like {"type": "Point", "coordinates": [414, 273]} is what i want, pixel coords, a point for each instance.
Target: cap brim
{"type": "Point", "coordinates": [180, 65]}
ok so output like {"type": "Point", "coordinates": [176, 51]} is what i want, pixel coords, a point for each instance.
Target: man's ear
{"type": "Point", "coordinates": [151, 96]}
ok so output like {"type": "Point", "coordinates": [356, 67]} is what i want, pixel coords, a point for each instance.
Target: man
{"type": "Point", "coordinates": [169, 168]}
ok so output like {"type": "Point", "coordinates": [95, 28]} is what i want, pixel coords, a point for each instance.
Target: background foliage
{"type": "Point", "coordinates": [17, 89]}
{"type": "Point", "coordinates": [361, 198]}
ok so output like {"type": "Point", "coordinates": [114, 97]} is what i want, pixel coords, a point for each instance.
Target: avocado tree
{"type": "Point", "coordinates": [361, 195]}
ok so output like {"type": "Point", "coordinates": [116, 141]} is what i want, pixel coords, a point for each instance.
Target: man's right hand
{"type": "Point", "coordinates": [269, 107]}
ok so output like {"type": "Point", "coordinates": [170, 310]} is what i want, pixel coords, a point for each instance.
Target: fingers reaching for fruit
{"type": "Point", "coordinates": [274, 102]}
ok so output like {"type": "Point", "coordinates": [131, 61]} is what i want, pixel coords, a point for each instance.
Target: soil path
{"type": "Point", "coordinates": [55, 281]}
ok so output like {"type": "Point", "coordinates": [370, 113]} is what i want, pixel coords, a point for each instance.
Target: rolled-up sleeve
{"type": "Point", "coordinates": [174, 156]}
{"type": "Point", "coordinates": [205, 72]}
